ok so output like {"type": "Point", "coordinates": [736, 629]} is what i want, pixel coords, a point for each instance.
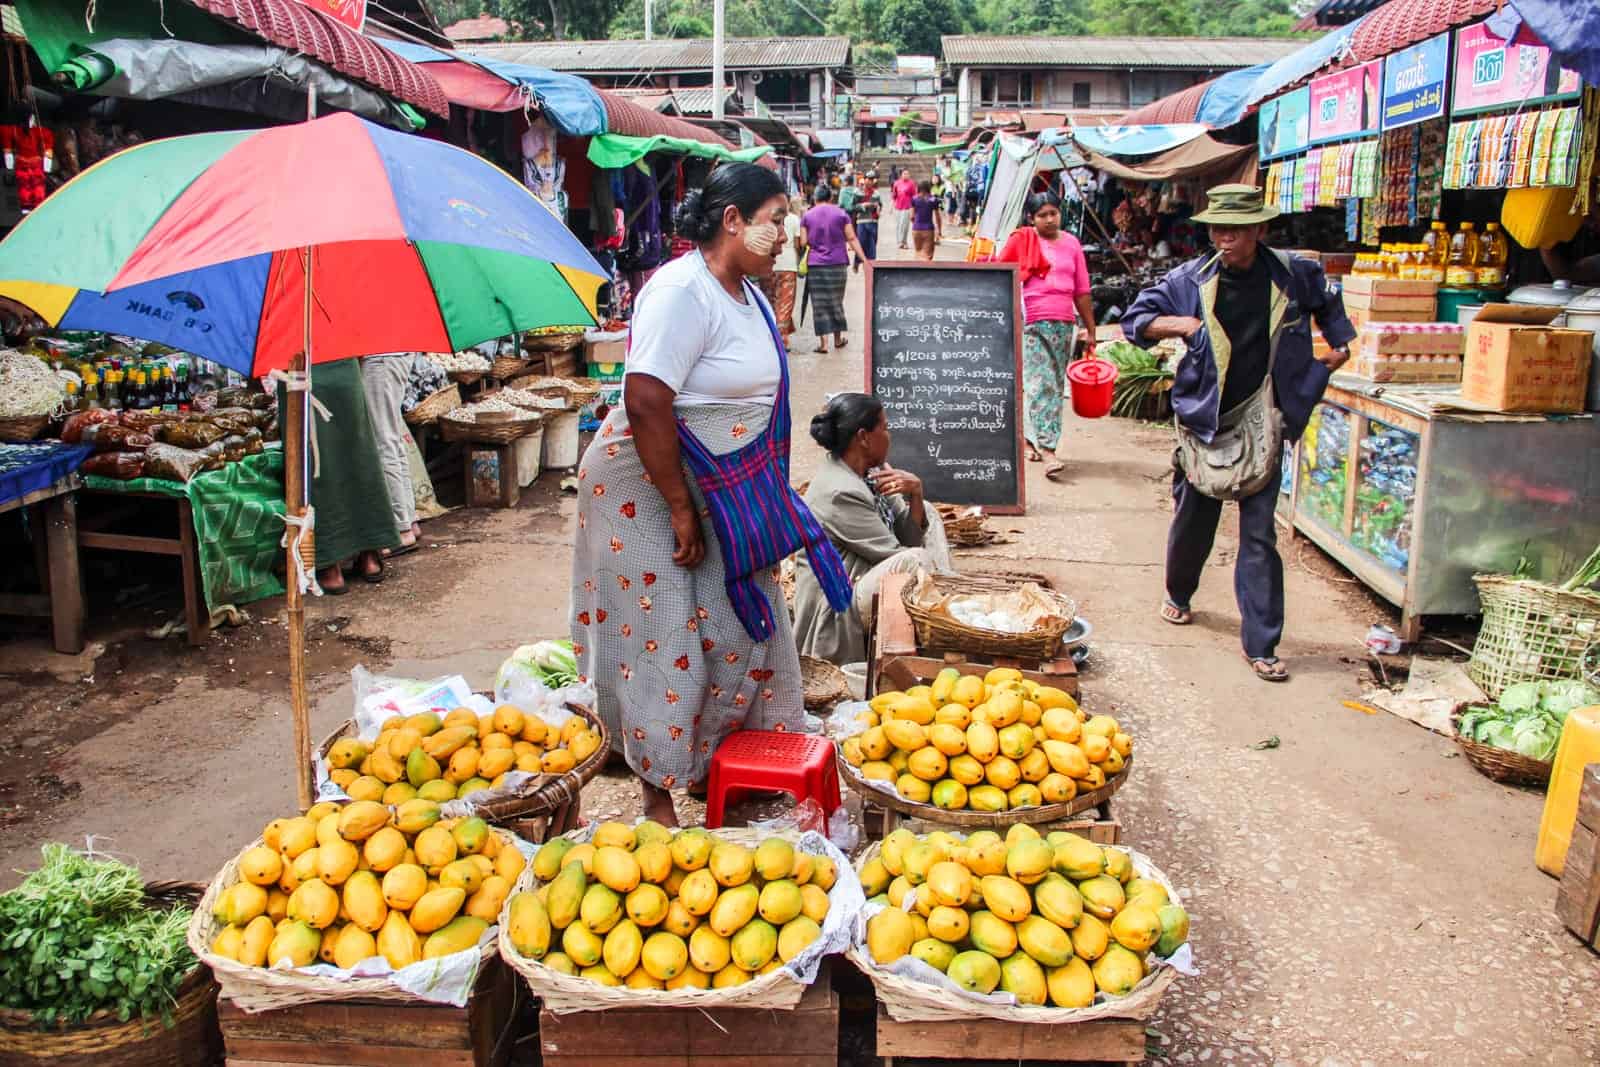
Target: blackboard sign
{"type": "Point", "coordinates": [944, 354]}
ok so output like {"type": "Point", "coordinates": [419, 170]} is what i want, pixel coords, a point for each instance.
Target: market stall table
{"type": "Point", "coordinates": [40, 479]}
{"type": "Point", "coordinates": [228, 527]}
{"type": "Point", "coordinates": [1415, 493]}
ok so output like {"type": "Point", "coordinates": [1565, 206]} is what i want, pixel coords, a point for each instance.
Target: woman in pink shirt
{"type": "Point", "coordinates": [1055, 308]}
{"type": "Point", "coordinates": [904, 191]}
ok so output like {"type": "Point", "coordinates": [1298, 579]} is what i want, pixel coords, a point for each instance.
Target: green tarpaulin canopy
{"type": "Point", "coordinates": [929, 146]}
{"type": "Point", "coordinates": [610, 151]}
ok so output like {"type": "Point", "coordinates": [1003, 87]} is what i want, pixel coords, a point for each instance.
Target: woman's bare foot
{"type": "Point", "coordinates": [840, 340]}
{"type": "Point", "coordinates": [658, 805]}
{"type": "Point", "coordinates": [331, 579]}
{"type": "Point", "coordinates": [822, 346]}
{"type": "Point", "coordinates": [1033, 453]}
{"type": "Point", "coordinates": [370, 566]}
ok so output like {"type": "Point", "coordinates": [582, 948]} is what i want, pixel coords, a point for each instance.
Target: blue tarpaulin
{"type": "Point", "coordinates": [1136, 140]}
{"type": "Point", "coordinates": [1571, 29]}
{"type": "Point", "coordinates": [570, 104]}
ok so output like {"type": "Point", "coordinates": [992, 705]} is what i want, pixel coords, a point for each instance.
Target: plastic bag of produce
{"type": "Point", "coordinates": [253, 445]}
{"type": "Point", "coordinates": [113, 437]}
{"type": "Point", "coordinates": [172, 463]}
{"type": "Point", "coordinates": [122, 465]}
{"type": "Point", "coordinates": [146, 421]}
{"type": "Point", "coordinates": [79, 421]}
{"type": "Point", "coordinates": [191, 433]}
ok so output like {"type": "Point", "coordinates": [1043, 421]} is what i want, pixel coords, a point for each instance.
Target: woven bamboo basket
{"type": "Point", "coordinates": [1531, 632]}
{"type": "Point", "coordinates": [908, 1000]}
{"type": "Point", "coordinates": [576, 391]}
{"type": "Point", "coordinates": [823, 683]}
{"type": "Point", "coordinates": [192, 1041]}
{"type": "Point", "coordinates": [506, 367]}
{"type": "Point", "coordinates": [777, 989]}
{"type": "Point", "coordinates": [967, 819]}
{"type": "Point", "coordinates": [543, 794]}
{"type": "Point", "coordinates": [489, 433]}
{"type": "Point", "coordinates": [22, 428]}
{"type": "Point", "coordinates": [938, 631]}
{"type": "Point", "coordinates": [1499, 764]}
{"type": "Point", "coordinates": [257, 989]}
{"type": "Point", "coordinates": [964, 527]}
{"type": "Point", "coordinates": [552, 342]}
{"type": "Point", "coordinates": [432, 406]}
{"type": "Point", "coordinates": [466, 377]}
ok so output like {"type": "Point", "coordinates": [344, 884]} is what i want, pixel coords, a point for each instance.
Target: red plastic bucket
{"type": "Point", "coordinates": [1092, 382]}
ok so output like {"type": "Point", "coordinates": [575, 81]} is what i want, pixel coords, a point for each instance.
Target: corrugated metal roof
{"type": "Point", "coordinates": [1402, 23]}
{"type": "Point", "coordinates": [483, 28]}
{"type": "Point", "coordinates": [698, 101]}
{"type": "Point", "coordinates": [1188, 53]}
{"type": "Point", "coordinates": [1179, 107]}
{"type": "Point", "coordinates": [294, 25]}
{"type": "Point", "coordinates": [643, 57]}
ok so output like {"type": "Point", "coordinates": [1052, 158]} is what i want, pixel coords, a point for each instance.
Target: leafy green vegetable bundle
{"type": "Point", "coordinates": [1528, 717]}
{"type": "Point", "coordinates": [77, 937]}
{"type": "Point", "coordinates": [1137, 371]}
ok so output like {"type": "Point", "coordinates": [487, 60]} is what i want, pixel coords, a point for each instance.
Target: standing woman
{"type": "Point", "coordinates": [1055, 309]}
{"type": "Point", "coordinates": [781, 285]}
{"type": "Point", "coordinates": [830, 238]}
{"type": "Point", "coordinates": [673, 617]}
{"type": "Point", "coordinates": [926, 221]}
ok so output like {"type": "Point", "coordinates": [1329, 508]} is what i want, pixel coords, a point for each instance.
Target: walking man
{"type": "Point", "coordinates": [1247, 383]}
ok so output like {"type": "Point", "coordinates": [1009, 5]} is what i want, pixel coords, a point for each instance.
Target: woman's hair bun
{"type": "Point", "coordinates": [691, 219]}
{"type": "Point", "coordinates": [824, 431]}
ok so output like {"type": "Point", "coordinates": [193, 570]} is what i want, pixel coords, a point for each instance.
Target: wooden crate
{"type": "Point", "coordinates": [1578, 899]}
{"type": "Point", "coordinates": [807, 1036]}
{"type": "Point", "coordinates": [378, 1033]}
{"type": "Point", "coordinates": [1104, 1041]}
{"type": "Point", "coordinates": [1097, 824]}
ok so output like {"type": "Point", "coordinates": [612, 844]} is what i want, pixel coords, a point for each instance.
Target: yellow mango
{"type": "Point", "coordinates": [565, 895]}
{"type": "Point", "coordinates": [296, 942]}
{"type": "Point", "coordinates": [435, 848]}
{"type": "Point", "coordinates": [780, 902]}
{"type": "Point", "coordinates": [493, 762]}
{"type": "Point", "coordinates": [254, 942]}
{"type": "Point", "coordinates": [436, 908]}
{"type": "Point", "coordinates": [600, 909]}
{"type": "Point", "coordinates": [404, 885]}
{"type": "Point", "coordinates": [655, 861]}
{"type": "Point", "coordinates": [314, 903]}
{"type": "Point", "coordinates": [957, 715]}
{"type": "Point", "coordinates": [754, 945]}
{"type": "Point", "coordinates": [397, 942]}
{"type": "Point", "coordinates": [647, 905]}
{"type": "Point", "coordinates": [347, 753]}
{"type": "Point", "coordinates": [616, 868]}
{"type": "Point", "coordinates": [731, 864]}
{"type": "Point", "coordinates": [968, 691]}
{"type": "Point", "coordinates": [415, 816]}
{"type": "Point", "coordinates": [364, 901]}
{"type": "Point", "coordinates": [361, 819]}
{"type": "Point", "coordinates": [733, 909]}
{"type": "Point", "coordinates": [458, 935]}
{"type": "Point", "coordinates": [690, 978]}
{"type": "Point", "coordinates": [729, 977]}
{"type": "Point", "coordinates": [528, 926]}
{"type": "Point", "coordinates": [679, 920]}
{"type": "Point", "coordinates": [394, 795]}
{"type": "Point", "coordinates": [621, 948]}
{"type": "Point", "coordinates": [485, 903]}
{"type": "Point", "coordinates": [227, 942]}
{"type": "Point", "coordinates": [928, 764]}
{"type": "Point", "coordinates": [1090, 937]}
{"type": "Point", "coordinates": [582, 945]}
{"type": "Point", "coordinates": [796, 936]}
{"type": "Point", "coordinates": [664, 956]}
{"type": "Point", "coordinates": [508, 862]}
{"type": "Point", "coordinates": [943, 685]}
{"type": "Point", "coordinates": [983, 742]}
{"type": "Point", "coordinates": [890, 934]}
{"type": "Point", "coordinates": [875, 743]}
{"type": "Point", "coordinates": [462, 874]}
{"type": "Point", "coordinates": [709, 951]}
{"type": "Point", "coordinates": [297, 836]}
{"type": "Point", "coordinates": [261, 866]}
{"type": "Point", "coordinates": [336, 861]}
{"type": "Point", "coordinates": [353, 945]}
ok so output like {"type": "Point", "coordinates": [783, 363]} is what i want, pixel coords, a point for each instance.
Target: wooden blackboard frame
{"type": "Point", "coordinates": [1021, 506]}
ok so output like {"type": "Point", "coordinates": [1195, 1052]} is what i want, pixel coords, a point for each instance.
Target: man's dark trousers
{"type": "Point", "coordinates": [1257, 573]}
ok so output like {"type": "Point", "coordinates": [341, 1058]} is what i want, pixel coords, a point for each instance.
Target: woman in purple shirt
{"type": "Point", "coordinates": [926, 221]}
{"type": "Point", "coordinates": [828, 238]}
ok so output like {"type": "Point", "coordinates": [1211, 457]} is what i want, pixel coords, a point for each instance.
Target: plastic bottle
{"type": "Point", "coordinates": [1580, 745]}
{"type": "Point", "coordinates": [1462, 266]}
{"type": "Point", "coordinates": [1492, 260]}
{"type": "Point", "coordinates": [91, 389]}
{"type": "Point", "coordinates": [1436, 247]}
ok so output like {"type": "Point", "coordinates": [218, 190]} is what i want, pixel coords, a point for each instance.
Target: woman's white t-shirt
{"type": "Point", "coordinates": [787, 260]}
{"type": "Point", "coordinates": [707, 347]}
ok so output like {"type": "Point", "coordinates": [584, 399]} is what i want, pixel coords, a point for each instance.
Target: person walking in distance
{"type": "Point", "coordinates": [1248, 382]}
{"type": "Point", "coordinates": [905, 191]}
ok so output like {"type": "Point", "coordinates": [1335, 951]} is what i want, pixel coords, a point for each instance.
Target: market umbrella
{"type": "Point", "coordinates": [334, 237]}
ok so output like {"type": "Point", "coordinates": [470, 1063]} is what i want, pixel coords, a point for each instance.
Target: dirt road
{"type": "Point", "coordinates": [1360, 894]}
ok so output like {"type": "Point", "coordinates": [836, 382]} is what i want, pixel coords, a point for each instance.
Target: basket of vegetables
{"type": "Point", "coordinates": [94, 968]}
{"type": "Point", "coordinates": [1534, 631]}
{"type": "Point", "coordinates": [30, 395]}
{"type": "Point", "coordinates": [1514, 739]}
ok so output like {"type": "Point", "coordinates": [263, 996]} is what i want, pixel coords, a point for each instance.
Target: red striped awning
{"type": "Point", "coordinates": [294, 25]}
{"type": "Point", "coordinates": [1402, 23]}
{"type": "Point", "coordinates": [1176, 109]}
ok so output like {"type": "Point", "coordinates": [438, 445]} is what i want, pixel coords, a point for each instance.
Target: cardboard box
{"type": "Point", "coordinates": [1361, 318]}
{"type": "Point", "coordinates": [605, 351]}
{"type": "Point", "coordinates": [1382, 368]}
{"type": "Point", "coordinates": [1371, 285]}
{"type": "Point", "coordinates": [1412, 338]}
{"type": "Point", "coordinates": [1515, 361]}
{"type": "Point", "coordinates": [1383, 302]}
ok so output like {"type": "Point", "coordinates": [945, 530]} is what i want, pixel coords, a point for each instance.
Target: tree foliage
{"type": "Point", "coordinates": [908, 27]}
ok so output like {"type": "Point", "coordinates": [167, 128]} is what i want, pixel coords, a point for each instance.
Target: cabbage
{"type": "Point", "coordinates": [1535, 737]}
{"type": "Point", "coordinates": [1496, 732]}
{"type": "Point", "coordinates": [1520, 698]}
{"type": "Point", "coordinates": [1561, 697]}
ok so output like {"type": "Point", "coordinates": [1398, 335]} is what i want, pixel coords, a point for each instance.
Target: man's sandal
{"type": "Point", "coordinates": [1177, 616]}
{"type": "Point", "coordinates": [1268, 668]}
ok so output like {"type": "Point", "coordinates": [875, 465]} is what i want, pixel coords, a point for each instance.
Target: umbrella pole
{"type": "Point", "coordinates": [294, 490]}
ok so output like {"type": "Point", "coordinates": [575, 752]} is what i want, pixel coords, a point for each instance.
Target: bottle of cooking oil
{"type": "Point", "coordinates": [1406, 265]}
{"type": "Point", "coordinates": [1492, 258]}
{"type": "Point", "coordinates": [1436, 246]}
{"type": "Point", "coordinates": [1462, 266]}
{"type": "Point", "coordinates": [1579, 745]}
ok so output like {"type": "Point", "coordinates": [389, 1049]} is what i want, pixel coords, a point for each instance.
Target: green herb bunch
{"type": "Point", "coordinates": [76, 937]}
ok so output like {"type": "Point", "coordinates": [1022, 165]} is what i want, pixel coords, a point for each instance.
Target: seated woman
{"type": "Point", "coordinates": [876, 518]}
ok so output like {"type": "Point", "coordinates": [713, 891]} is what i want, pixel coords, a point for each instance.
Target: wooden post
{"type": "Point", "coordinates": [294, 494]}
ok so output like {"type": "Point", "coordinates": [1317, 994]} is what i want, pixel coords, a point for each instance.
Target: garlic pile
{"type": "Point", "coordinates": [460, 361]}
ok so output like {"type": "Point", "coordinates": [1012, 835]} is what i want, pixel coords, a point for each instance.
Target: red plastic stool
{"type": "Point", "coordinates": [801, 765]}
